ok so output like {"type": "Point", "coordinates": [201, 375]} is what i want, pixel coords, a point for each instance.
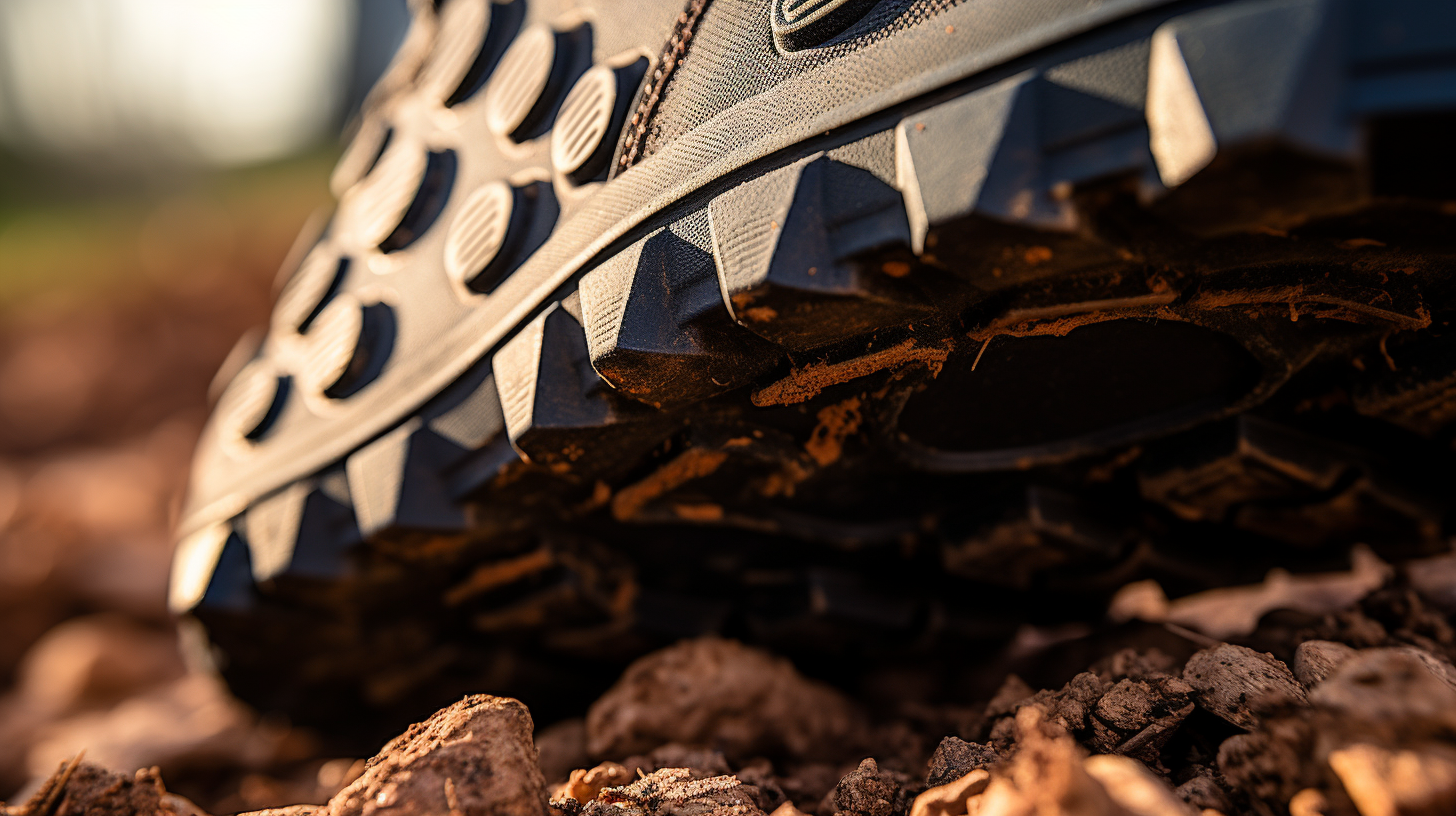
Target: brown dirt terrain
{"type": "Point", "coordinates": [710, 727]}
{"type": "Point", "coordinates": [1318, 694]}
{"type": "Point", "coordinates": [104, 375]}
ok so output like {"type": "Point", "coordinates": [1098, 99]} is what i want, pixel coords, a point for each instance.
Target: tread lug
{"type": "Point", "coordinates": [988, 176]}
{"type": "Point", "coordinates": [271, 527]}
{"type": "Point", "coordinates": [468, 413]}
{"type": "Point", "coordinates": [787, 246]}
{"type": "Point", "coordinates": [1045, 530]}
{"type": "Point", "coordinates": [1246, 116]}
{"type": "Point", "coordinates": [405, 481]}
{"type": "Point", "coordinates": [303, 530]}
{"type": "Point", "coordinates": [557, 409]}
{"type": "Point", "coordinates": [979, 154]}
{"type": "Point", "coordinates": [397, 481]}
{"type": "Point", "coordinates": [193, 564]}
{"type": "Point", "coordinates": [656, 325]}
{"type": "Point", "coordinates": [1292, 487]}
{"type": "Point", "coordinates": [1420, 394]}
{"type": "Point", "coordinates": [221, 577]}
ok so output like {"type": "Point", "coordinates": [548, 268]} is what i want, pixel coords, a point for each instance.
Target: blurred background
{"type": "Point", "coordinates": [157, 160]}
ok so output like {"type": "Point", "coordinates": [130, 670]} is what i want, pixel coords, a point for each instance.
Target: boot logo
{"type": "Point", "coordinates": [793, 11]}
{"type": "Point", "coordinates": [799, 24]}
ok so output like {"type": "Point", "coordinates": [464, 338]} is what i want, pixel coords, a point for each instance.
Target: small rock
{"type": "Point", "coordinates": [866, 791]}
{"type": "Point", "coordinates": [1070, 706]}
{"type": "Point", "coordinates": [83, 789]}
{"type": "Point", "coordinates": [1315, 660]}
{"type": "Point", "coordinates": [1046, 776]}
{"type": "Point", "coordinates": [1067, 708]}
{"type": "Point", "coordinates": [955, 758]}
{"type": "Point", "coordinates": [1354, 627]}
{"type": "Point", "coordinates": [1138, 717]}
{"type": "Point", "coordinates": [1128, 706]}
{"type": "Point", "coordinates": [1410, 617]}
{"type": "Point", "coordinates": [474, 758]}
{"type": "Point", "coordinates": [1132, 705]}
{"type": "Point", "coordinates": [1310, 802]}
{"type": "Point", "coordinates": [760, 774]}
{"type": "Point", "coordinates": [720, 693]}
{"type": "Point", "coordinates": [674, 792]}
{"type": "Point", "coordinates": [1440, 667]}
{"type": "Point", "coordinates": [1391, 690]}
{"type": "Point", "coordinates": [1229, 680]}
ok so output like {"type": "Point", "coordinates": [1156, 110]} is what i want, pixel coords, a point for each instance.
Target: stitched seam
{"type": "Point", "coordinates": [672, 54]}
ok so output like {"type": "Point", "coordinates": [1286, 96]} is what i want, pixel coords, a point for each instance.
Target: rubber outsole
{"type": "Point", "coordinates": [1057, 302]}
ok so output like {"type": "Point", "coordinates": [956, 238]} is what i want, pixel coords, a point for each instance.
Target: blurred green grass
{"type": "Point", "coordinates": [69, 235]}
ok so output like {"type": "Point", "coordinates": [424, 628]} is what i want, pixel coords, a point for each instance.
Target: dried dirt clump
{"type": "Point", "coordinates": [1230, 681]}
{"type": "Point", "coordinates": [1377, 737]}
{"type": "Point", "coordinates": [720, 693]}
{"type": "Point", "coordinates": [954, 758]}
{"type": "Point", "coordinates": [84, 789]}
{"type": "Point", "coordinates": [475, 758]}
{"type": "Point", "coordinates": [672, 792]}
{"type": "Point", "coordinates": [1350, 713]}
{"type": "Point", "coordinates": [1050, 775]}
{"type": "Point", "coordinates": [868, 791]}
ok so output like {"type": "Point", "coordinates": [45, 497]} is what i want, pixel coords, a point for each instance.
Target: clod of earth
{"type": "Point", "coordinates": [82, 789]}
{"type": "Point", "coordinates": [675, 792]}
{"type": "Point", "coordinates": [475, 758]}
{"type": "Point", "coordinates": [954, 758]}
{"type": "Point", "coordinates": [1316, 660]}
{"type": "Point", "coordinates": [1232, 681]}
{"type": "Point", "coordinates": [1363, 724]}
{"type": "Point", "coordinates": [740, 700]}
{"type": "Point", "coordinates": [867, 791]}
{"type": "Point", "coordinates": [1050, 774]}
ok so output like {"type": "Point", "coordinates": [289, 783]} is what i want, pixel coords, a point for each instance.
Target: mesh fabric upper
{"type": "Point", "coordinates": [733, 57]}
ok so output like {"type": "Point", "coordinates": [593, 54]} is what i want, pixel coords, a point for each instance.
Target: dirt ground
{"type": "Point", "coordinates": [104, 374]}
{"type": "Point", "coordinates": [1327, 694]}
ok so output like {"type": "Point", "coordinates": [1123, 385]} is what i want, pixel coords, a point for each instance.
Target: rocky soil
{"type": "Point", "coordinates": [103, 389]}
{"type": "Point", "coordinates": [1347, 716]}
{"type": "Point", "coordinates": [1325, 694]}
